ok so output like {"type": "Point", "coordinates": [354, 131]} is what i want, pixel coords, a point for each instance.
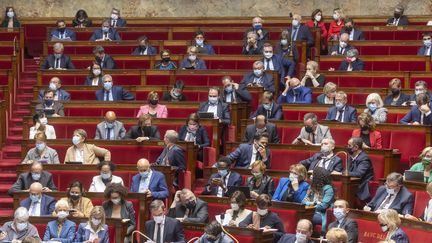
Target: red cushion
{"type": "Point", "coordinates": [283, 159]}
{"type": "Point", "coordinates": [369, 231]}
{"type": "Point", "coordinates": [420, 201]}
{"type": "Point", "coordinates": [416, 141]}
{"type": "Point", "coordinates": [288, 217]}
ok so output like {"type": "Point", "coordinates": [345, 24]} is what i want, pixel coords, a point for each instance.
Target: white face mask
{"type": "Point", "coordinates": [268, 55]}
{"type": "Point", "coordinates": [293, 177]}
{"type": "Point", "coordinates": [114, 16]}
{"type": "Point", "coordinates": [96, 221]}
{"type": "Point", "coordinates": [384, 228]}
{"type": "Point", "coordinates": [96, 72]}
{"type": "Point", "coordinates": [342, 44]}
{"type": "Point", "coordinates": [284, 42]}
{"type": "Point", "coordinates": [335, 17]}
{"type": "Point", "coordinates": [295, 23]}
{"type": "Point", "coordinates": [301, 238]}
{"type": "Point", "coordinates": [234, 206]}
{"type": "Point", "coordinates": [43, 120]}
{"type": "Point", "coordinates": [262, 212]}
{"type": "Point", "coordinates": [192, 58]}
{"type": "Point", "coordinates": [116, 201]}
{"type": "Point", "coordinates": [62, 214]}
{"type": "Point", "coordinates": [158, 219]}
{"type": "Point", "coordinates": [318, 18]}
{"type": "Point", "coordinates": [21, 226]}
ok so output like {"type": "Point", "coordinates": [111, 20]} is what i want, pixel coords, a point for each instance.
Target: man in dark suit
{"type": "Point", "coordinates": [219, 183]}
{"type": "Point", "coordinates": [144, 131]}
{"type": "Point", "coordinates": [419, 114]}
{"type": "Point", "coordinates": [312, 133]}
{"type": "Point", "coordinates": [116, 20]}
{"type": "Point", "coordinates": [59, 93]}
{"type": "Point", "coordinates": [247, 153]}
{"type": "Point", "coordinates": [420, 87]}
{"type": "Point", "coordinates": [325, 158]}
{"type": "Point", "coordinates": [215, 105]}
{"type": "Point", "coordinates": [341, 111]}
{"type": "Point", "coordinates": [148, 181]}
{"type": "Point", "coordinates": [425, 50]}
{"type": "Point", "coordinates": [144, 48]}
{"type": "Point", "coordinates": [50, 107]}
{"type": "Point", "coordinates": [258, 78]}
{"type": "Point", "coordinates": [342, 47]}
{"type": "Point", "coordinates": [104, 60]}
{"type": "Point", "coordinates": [303, 233]}
{"type": "Point", "coordinates": [105, 33]}
{"type": "Point", "coordinates": [340, 211]}
{"type": "Point", "coordinates": [270, 109]}
{"type": "Point", "coordinates": [37, 203]}
{"type": "Point", "coordinates": [284, 66]}
{"type": "Point", "coordinates": [57, 60]}
{"type": "Point", "coordinates": [295, 93]}
{"type": "Point", "coordinates": [36, 174]}
{"type": "Point", "coordinates": [300, 32]}
{"type": "Point", "coordinates": [61, 33]}
{"type": "Point", "coordinates": [398, 18]}
{"type": "Point", "coordinates": [257, 28]}
{"type": "Point", "coordinates": [351, 61]}
{"type": "Point", "coordinates": [392, 195]}
{"type": "Point", "coordinates": [112, 93]}
{"type": "Point", "coordinates": [233, 93]}
{"type": "Point", "coordinates": [172, 155]}
{"type": "Point", "coordinates": [261, 125]}
{"type": "Point", "coordinates": [186, 207]}
{"type": "Point", "coordinates": [172, 229]}
{"type": "Point", "coordinates": [353, 33]}
{"type": "Point", "coordinates": [110, 128]}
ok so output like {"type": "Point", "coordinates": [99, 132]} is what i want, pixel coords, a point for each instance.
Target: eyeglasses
{"type": "Point", "coordinates": [427, 38]}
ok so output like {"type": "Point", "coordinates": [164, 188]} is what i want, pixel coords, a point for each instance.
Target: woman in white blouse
{"type": "Point", "coordinates": [99, 182]}
{"type": "Point", "coordinates": [40, 124]}
{"type": "Point", "coordinates": [238, 211]}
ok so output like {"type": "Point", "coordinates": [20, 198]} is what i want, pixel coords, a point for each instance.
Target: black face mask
{"type": "Point", "coordinates": [147, 131]}
{"type": "Point", "coordinates": [74, 197]}
{"type": "Point", "coordinates": [166, 59]}
{"type": "Point", "coordinates": [190, 205]}
{"type": "Point", "coordinates": [365, 128]}
{"type": "Point", "coordinates": [309, 129]}
{"type": "Point", "coordinates": [153, 102]}
{"type": "Point", "coordinates": [349, 29]}
{"type": "Point", "coordinates": [143, 48]}
{"type": "Point", "coordinates": [395, 92]}
{"type": "Point", "coordinates": [61, 30]}
{"type": "Point", "coordinates": [98, 59]}
{"type": "Point", "coordinates": [397, 15]}
{"type": "Point", "coordinates": [349, 150]}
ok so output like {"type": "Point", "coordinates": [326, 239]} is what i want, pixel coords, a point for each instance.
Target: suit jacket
{"type": "Point", "coordinates": [241, 95]}
{"type": "Point", "coordinates": [265, 35]}
{"type": "Point", "coordinates": [234, 179]}
{"type": "Point", "coordinates": [271, 129]}
{"type": "Point", "coordinates": [403, 203]}
{"type": "Point", "coordinates": [136, 131]}
{"type": "Point", "coordinates": [199, 64]}
{"type": "Point", "coordinates": [150, 51]}
{"type": "Point", "coordinates": [175, 157]}
{"type": "Point", "coordinates": [243, 154]}
{"type": "Point", "coordinates": [284, 66]}
{"type": "Point", "coordinates": [120, 22]}
{"type": "Point", "coordinates": [161, 111]}
{"type": "Point", "coordinates": [361, 167]}
{"type": "Point", "coordinates": [302, 95]}
{"type": "Point", "coordinates": [422, 51]}
{"type": "Point", "coordinates": [321, 99]}
{"type": "Point", "coordinates": [414, 115]}
{"type": "Point", "coordinates": [266, 81]}
{"type": "Point", "coordinates": [253, 51]}
{"type": "Point", "coordinates": [266, 187]}
{"type": "Point", "coordinates": [47, 205]}
{"type": "Point", "coordinates": [25, 179]}
{"type": "Point", "coordinates": [118, 93]}
{"type": "Point", "coordinates": [282, 187]}
{"type": "Point", "coordinates": [83, 234]}
{"type": "Point", "coordinates": [91, 154]}
{"type": "Point", "coordinates": [157, 185]}
{"type": "Point", "coordinates": [336, 48]}
{"type": "Point", "coordinates": [357, 65]}
{"type": "Point", "coordinates": [399, 236]}
{"type": "Point", "coordinates": [89, 81]}
{"type": "Point", "coordinates": [61, 94]}
{"type": "Point", "coordinates": [350, 226]}
{"type": "Point", "coordinates": [167, 97]}
{"type": "Point", "coordinates": [127, 211]}
{"type": "Point", "coordinates": [119, 131]}
{"type": "Point", "coordinates": [285, 53]}
{"type": "Point", "coordinates": [349, 115]}
{"type": "Point", "coordinates": [205, 49]}
{"type": "Point", "coordinates": [65, 62]}
{"type": "Point", "coordinates": [199, 214]}
{"type": "Point", "coordinates": [67, 233]}
{"type": "Point", "coordinates": [112, 34]}
{"type": "Point", "coordinates": [68, 33]}
{"type": "Point", "coordinates": [5, 23]}
{"type": "Point", "coordinates": [334, 164]}
{"type": "Point", "coordinates": [374, 137]}
{"type": "Point", "coordinates": [321, 133]}
{"type": "Point", "coordinates": [303, 34]}
{"type": "Point", "coordinates": [107, 62]}
{"type": "Point", "coordinates": [222, 111]}
{"type": "Point", "coordinates": [290, 238]}
{"type": "Point", "coordinates": [403, 20]}
{"type": "Point", "coordinates": [402, 98]}
{"type": "Point", "coordinates": [201, 136]}
{"type": "Point", "coordinates": [275, 113]}
{"type": "Point", "coordinates": [57, 107]}
{"type": "Point", "coordinates": [173, 230]}
{"type": "Point", "coordinates": [358, 34]}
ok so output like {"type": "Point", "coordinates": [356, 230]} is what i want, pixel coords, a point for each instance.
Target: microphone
{"type": "Point", "coordinates": [192, 240]}
{"type": "Point", "coordinates": [346, 161]}
{"type": "Point", "coordinates": [143, 235]}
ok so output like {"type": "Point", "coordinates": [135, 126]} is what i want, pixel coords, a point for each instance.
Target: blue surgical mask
{"type": "Point", "coordinates": [144, 174]}
{"type": "Point", "coordinates": [36, 176]}
{"type": "Point", "coordinates": [229, 88]}
{"type": "Point", "coordinates": [223, 173]}
{"type": "Point", "coordinates": [109, 125]}
{"type": "Point", "coordinates": [76, 140]}
{"type": "Point", "coordinates": [21, 226]}
{"type": "Point", "coordinates": [105, 29]}
{"type": "Point", "coordinates": [49, 102]}
{"type": "Point", "coordinates": [258, 72]}
{"type": "Point", "coordinates": [199, 42]}
{"type": "Point", "coordinates": [301, 238]}
{"type": "Point", "coordinates": [372, 107]}
{"type": "Point", "coordinates": [339, 105]}
{"type": "Point", "coordinates": [213, 100]}
{"type": "Point", "coordinates": [257, 26]}
{"type": "Point", "coordinates": [34, 198]}
{"type": "Point", "coordinates": [108, 85]}
{"type": "Point", "coordinates": [40, 146]}
{"type": "Point", "coordinates": [105, 175]}
{"type": "Point", "coordinates": [53, 86]}
{"type": "Point", "coordinates": [339, 213]}
{"type": "Point", "coordinates": [267, 106]}
{"type": "Point", "coordinates": [295, 23]}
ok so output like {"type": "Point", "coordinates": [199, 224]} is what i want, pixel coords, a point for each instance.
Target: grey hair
{"type": "Point", "coordinates": [172, 136]}
{"type": "Point", "coordinates": [157, 204]}
{"type": "Point", "coordinates": [352, 53]}
{"type": "Point", "coordinates": [62, 203]}
{"type": "Point", "coordinates": [395, 177]}
{"type": "Point", "coordinates": [252, 33]}
{"type": "Point", "coordinates": [98, 49]}
{"type": "Point", "coordinates": [58, 45]}
{"type": "Point", "coordinates": [107, 76]}
{"type": "Point", "coordinates": [311, 116]}
{"type": "Point", "coordinates": [21, 213]}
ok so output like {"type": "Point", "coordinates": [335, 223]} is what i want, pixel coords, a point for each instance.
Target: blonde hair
{"type": "Point", "coordinates": [390, 217]}
{"type": "Point", "coordinates": [429, 187]}
{"type": "Point", "coordinates": [375, 97]}
{"type": "Point", "coordinates": [260, 164]}
{"type": "Point", "coordinates": [395, 81]}
{"type": "Point", "coordinates": [328, 87]}
{"type": "Point", "coordinates": [341, 94]}
{"type": "Point", "coordinates": [340, 12]}
{"type": "Point", "coordinates": [153, 95]}
{"type": "Point", "coordinates": [337, 235]}
{"type": "Point", "coordinates": [192, 49]}
{"type": "Point", "coordinates": [300, 170]}
{"type": "Point", "coordinates": [425, 151]}
{"type": "Point", "coordinates": [314, 65]}
{"type": "Point", "coordinates": [98, 210]}
{"type": "Point", "coordinates": [367, 119]}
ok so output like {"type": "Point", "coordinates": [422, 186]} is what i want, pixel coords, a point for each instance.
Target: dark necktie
{"type": "Point", "coordinates": [342, 51]}
{"type": "Point", "coordinates": [158, 236]}
{"type": "Point", "coordinates": [340, 118]}
{"type": "Point", "coordinates": [258, 156]}
{"type": "Point", "coordinates": [268, 64]}
{"type": "Point", "coordinates": [294, 35]}
{"type": "Point", "coordinates": [107, 96]}
{"type": "Point", "coordinates": [57, 63]}
{"type": "Point", "coordinates": [108, 135]}
{"type": "Point", "coordinates": [389, 197]}
{"type": "Point", "coordinates": [114, 23]}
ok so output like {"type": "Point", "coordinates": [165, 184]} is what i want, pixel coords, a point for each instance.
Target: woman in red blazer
{"type": "Point", "coordinates": [317, 21]}
{"type": "Point", "coordinates": [371, 137]}
{"type": "Point", "coordinates": [336, 25]}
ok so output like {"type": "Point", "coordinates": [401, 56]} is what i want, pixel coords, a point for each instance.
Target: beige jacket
{"type": "Point", "coordinates": [91, 154]}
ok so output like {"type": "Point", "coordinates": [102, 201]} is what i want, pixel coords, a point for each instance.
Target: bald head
{"type": "Point", "coordinates": [294, 82]}
{"type": "Point", "coordinates": [297, 17]}
{"type": "Point", "coordinates": [344, 37]}
{"type": "Point", "coordinates": [36, 167]}
{"type": "Point", "coordinates": [260, 121]}
{"type": "Point", "coordinates": [143, 165]}
{"type": "Point", "coordinates": [304, 226]}
{"type": "Point", "coordinates": [110, 116]}
{"type": "Point", "coordinates": [35, 188]}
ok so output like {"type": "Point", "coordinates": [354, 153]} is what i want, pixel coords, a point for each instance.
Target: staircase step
{"type": "Point", "coordinates": [14, 139]}
{"type": "Point", "coordinates": [6, 202]}
{"type": "Point", "coordinates": [15, 131]}
{"type": "Point", "coordinates": [9, 164]}
{"type": "Point", "coordinates": [7, 178]}
{"type": "Point", "coordinates": [12, 152]}
{"type": "Point", "coordinates": [22, 113]}
{"type": "Point", "coordinates": [23, 96]}
{"type": "Point", "coordinates": [7, 212]}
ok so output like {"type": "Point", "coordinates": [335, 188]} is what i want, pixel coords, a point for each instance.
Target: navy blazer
{"type": "Point", "coordinates": [222, 111]}
{"type": "Point", "coordinates": [270, 128]}
{"type": "Point", "coordinates": [68, 33]}
{"type": "Point", "coordinates": [135, 132]}
{"type": "Point", "coordinates": [234, 179]}
{"type": "Point", "coordinates": [112, 34]}
{"type": "Point", "coordinates": [403, 203]}
{"type": "Point", "coordinates": [176, 159]}
{"type": "Point", "coordinates": [335, 163]}
{"type": "Point", "coordinates": [157, 185]}
{"type": "Point", "coordinates": [118, 93]}
{"type": "Point", "coordinates": [89, 81]}
{"type": "Point", "coordinates": [303, 34]}
{"type": "Point", "coordinates": [201, 136]}
{"type": "Point", "coordinates": [266, 81]}
{"type": "Point", "coordinates": [350, 114]}
{"type": "Point", "coordinates": [83, 234]}
{"type": "Point", "coordinates": [414, 115]}
{"type": "Point", "coordinates": [336, 48]}
{"type": "Point", "coordinates": [358, 34]}
{"type": "Point", "coordinates": [357, 65]}
{"type": "Point", "coordinates": [302, 95]}
{"type": "Point", "coordinates": [47, 205]}
{"type": "Point", "coordinates": [241, 95]}
{"type": "Point", "coordinates": [205, 49]}
{"type": "Point", "coordinates": [173, 230]}
{"type": "Point", "coordinates": [285, 53]}
{"type": "Point", "coordinates": [150, 51]}
{"type": "Point", "coordinates": [402, 98]}
{"type": "Point", "coordinates": [243, 154]}
{"type": "Point", "coordinates": [403, 20]}
{"type": "Point", "coordinates": [67, 233]}
{"type": "Point", "coordinates": [290, 238]}
{"type": "Point", "coordinates": [399, 236]}
{"type": "Point", "coordinates": [350, 226]}
{"type": "Point", "coordinates": [284, 66]}
{"type": "Point", "coordinates": [274, 114]}
{"type": "Point", "coordinates": [253, 51]}
{"type": "Point", "coordinates": [199, 64]}
{"type": "Point", "coordinates": [65, 62]}
{"type": "Point", "coordinates": [107, 62]}
{"type": "Point", "coordinates": [120, 22]}
{"type": "Point", "coordinates": [361, 167]}
{"type": "Point", "coordinates": [422, 51]}
{"type": "Point", "coordinates": [61, 94]}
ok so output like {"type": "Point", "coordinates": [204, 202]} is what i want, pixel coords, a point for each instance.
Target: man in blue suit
{"type": "Point", "coordinates": [425, 50]}
{"type": "Point", "coordinates": [104, 60]}
{"type": "Point", "coordinates": [353, 33]}
{"type": "Point", "coordinates": [105, 33]}
{"type": "Point", "coordinates": [351, 62]}
{"type": "Point", "coordinates": [341, 111]}
{"type": "Point", "coordinates": [116, 20]}
{"type": "Point", "coordinates": [144, 48]}
{"type": "Point", "coordinates": [247, 153]}
{"type": "Point", "coordinates": [300, 32]}
{"type": "Point", "coordinates": [294, 93]}
{"type": "Point", "coordinates": [58, 60]}
{"type": "Point", "coordinates": [112, 93]}
{"type": "Point", "coordinates": [283, 66]}
{"type": "Point", "coordinates": [258, 78]}
{"type": "Point", "coordinates": [392, 195]}
{"type": "Point", "coordinates": [268, 108]}
{"type": "Point", "coordinates": [219, 183]}
{"type": "Point", "coordinates": [163, 228]}
{"type": "Point", "coordinates": [419, 114]}
{"type": "Point", "coordinates": [37, 203]}
{"type": "Point", "coordinates": [61, 33]}
{"type": "Point", "coordinates": [59, 93]}
{"type": "Point", "coordinates": [149, 181]}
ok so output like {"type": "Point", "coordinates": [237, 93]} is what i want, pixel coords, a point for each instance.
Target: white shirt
{"type": "Point", "coordinates": [338, 113]}
{"type": "Point", "coordinates": [351, 36]}
{"type": "Point", "coordinates": [97, 184]}
{"type": "Point", "coordinates": [37, 208]}
{"type": "Point", "coordinates": [162, 226]}
{"type": "Point", "coordinates": [395, 21]}
{"type": "Point", "coordinates": [49, 132]}
{"type": "Point", "coordinates": [386, 206]}
{"type": "Point", "coordinates": [270, 63]}
{"type": "Point", "coordinates": [220, 190]}
{"type": "Point", "coordinates": [327, 100]}
{"type": "Point", "coordinates": [213, 108]}
{"type": "Point", "coordinates": [93, 234]}
{"type": "Point", "coordinates": [327, 161]}
{"type": "Point", "coordinates": [254, 154]}
{"type": "Point", "coordinates": [95, 82]}
{"type": "Point", "coordinates": [144, 182]}
{"type": "Point", "coordinates": [79, 155]}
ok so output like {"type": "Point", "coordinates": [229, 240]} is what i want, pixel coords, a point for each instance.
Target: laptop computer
{"type": "Point", "coordinates": [243, 189]}
{"type": "Point", "coordinates": [414, 176]}
{"type": "Point", "coordinates": [206, 115]}
{"type": "Point", "coordinates": [73, 162]}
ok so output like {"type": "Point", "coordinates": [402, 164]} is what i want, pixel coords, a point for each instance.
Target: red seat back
{"type": "Point", "coordinates": [420, 202]}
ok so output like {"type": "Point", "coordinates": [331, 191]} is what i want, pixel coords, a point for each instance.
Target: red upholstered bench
{"type": "Point", "coordinates": [124, 112]}
{"type": "Point", "coordinates": [421, 199]}
{"type": "Point", "coordinates": [120, 64]}
{"type": "Point", "coordinates": [126, 77]}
